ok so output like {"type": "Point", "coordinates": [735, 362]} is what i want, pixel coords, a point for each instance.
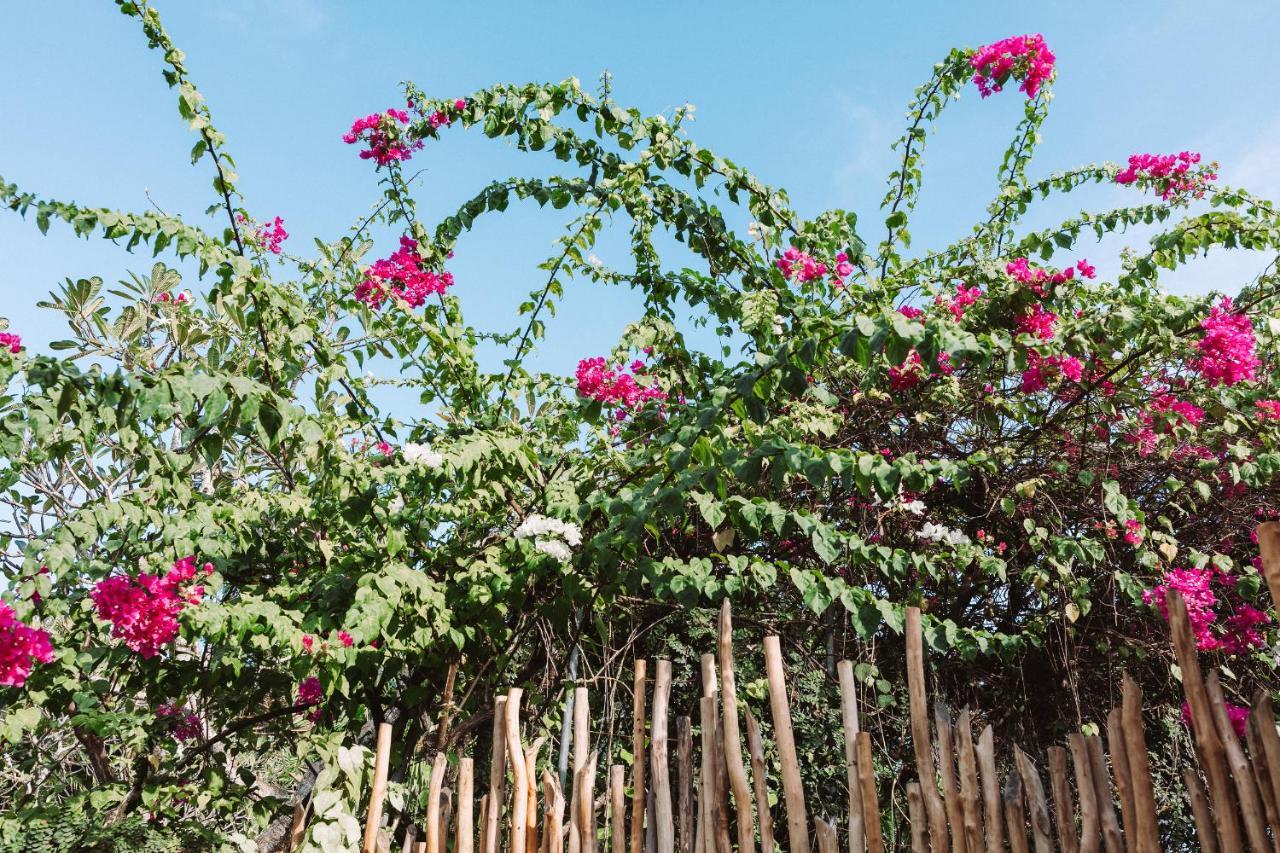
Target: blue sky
{"type": "Point", "coordinates": [808, 96]}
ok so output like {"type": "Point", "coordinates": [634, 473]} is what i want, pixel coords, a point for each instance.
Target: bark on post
{"type": "Point", "coordinates": [732, 736]}
{"type": "Point", "coordinates": [617, 809]}
{"type": "Point", "coordinates": [947, 771]}
{"type": "Point", "coordinates": [1144, 799]}
{"type": "Point", "coordinates": [969, 790]}
{"type": "Point", "coordinates": [760, 783]}
{"type": "Point", "coordinates": [849, 716]}
{"type": "Point", "coordinates": [792, 789]}
{"type": "Point", "coordinates": [1241, 772]}
{"type": "Point", "coordinates": [870, 801]}
{"type": "Point", "coordinates": [663, 817]}
{"type": "Point", "coordinates": [684, 785]}
{"type": "Point", "coordinates": [920, 739]}
{"type": "Point", "coordinates": [993, 813]}
{"type": "Point", "coordinates": [497, 778]}
{"type": "Point", "coordinates": [1063, 812]}
{"type": "Point", "coordinates": [639, 764]}
{"type": "Point", "coordinates": [520, 788]}
{"type": "Point", "coordinates": [438, 767]}
{"type": "Point", "coordinates": [464, 833]}
{"type": "Point", "coordinates": [381, 763]}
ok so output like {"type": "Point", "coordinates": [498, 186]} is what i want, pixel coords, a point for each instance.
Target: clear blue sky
{"type": "Point", "coordinates": [807, 95]}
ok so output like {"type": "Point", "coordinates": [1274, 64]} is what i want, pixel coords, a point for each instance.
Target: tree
{"type": "Point", "coordinates": [240, 562]}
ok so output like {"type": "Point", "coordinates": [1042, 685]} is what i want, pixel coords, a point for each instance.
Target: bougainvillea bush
{"type": "Point", "coordinates": [225, 562]}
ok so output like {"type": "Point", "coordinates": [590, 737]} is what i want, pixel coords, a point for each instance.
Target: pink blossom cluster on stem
{"type": "Point", "coordinates": [185, 725]}
{"type": "Point", "coordinates": [1024, 58]}
{"type": "Point", "coordinates": [1172, 174]}
{"type": "Point", "coordinates": [143, 611]}
{"type": "Point", "coordinates": [617, 386]}
{"type": "Point", "coordinates": [801, 267]}
{"type": "Point", "coordinates": [1226, 352]}
{"type": "Point", "coordinates": [402, 276]}
{"type": "Point", "coordinates": [268, 235]}
{"type": "Point", "coordinates": [21, 648]}
{"type": "Point", "coordinates": [382, 135]}
{"type": "Point", "coordinates": [1236, 634]}
{"type": "Point", "coordinates": [11, 342]}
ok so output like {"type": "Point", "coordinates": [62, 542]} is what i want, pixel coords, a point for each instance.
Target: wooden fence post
{"type": "Point", "coordinates": [732, 736]}
{"type": "Point", "coordinates": [381, 763]}
{"type": "Point", "coordinates": [663, 817]}
{"type": "Point", "coordinates": [792, 789]}
{"type": "Point", "coordinates": [920, 739]}
{"type": "Point", "coordinates": [849, 716]}
{"type": "Point", "coordinates": [639, 764]}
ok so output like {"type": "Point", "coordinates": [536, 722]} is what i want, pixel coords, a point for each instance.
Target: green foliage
{"type": "Point", "coordinates": [242, 426]}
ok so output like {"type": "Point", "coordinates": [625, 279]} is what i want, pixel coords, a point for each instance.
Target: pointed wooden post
{"type": "Point", "coordinates": [1205, 832]}
{"type": "Point", "coordinates": [759, 783]}
{"type": "Point", "coordinates": [581, 746]}
{"type": "Point", "coordinates": [1146, 828]}
{"type": "Point", "coordinates": [947, 772]}
{"type": "Point", "coordinates": [870, 801]}
{"type": "Point", "coordinates": [915, 816]}
{"type": "Point", "coordinates": [617, 809]}
{"type": "Point", "coordinates": [497, 778]}
{"type": "Point", "coordinates": [1090, 829]}
{"type": "Point", "coordinates": [1014, 816]}
{"type": "Point", "coordinates": [921, 741]}
{"type": "Point", "coordinates": [1111, 838]}
{"type": "Point", "coordinates": [993, 814]}
{"type": "Point", "coordinates": [639, 763]}
{"type": "Point", "coordinates": [438, 767]}
{"type": "Point", "coordinates": [520, 789]}
{"type": "Point", "coordinates": [1241, 772]}
{"type": "Point", "coordinates": [969, 790]}
{"type": "Point", "coordinates": [792, 788]}
{"type": "Point", "coordinates": [1063, 812]}
{"type": "Point", "coordinates": [1041, 829]}
{"type": "Point", "coordinates": [381, 763]}
{"type": "Point", "coordinates": [533, 843]}
{"type": "Point", "coordinates": [732, 737]}
{"type": "Point", "coordinates": [1208, 744]}
{"type": "Point", "coordinates": [663, 816]}
{"type": "Point", "coordinates": [849, 716]}
{"type": "Point", "coordinates": [464, 834]}
{"type": "Point", "coordinates": [684, 785]}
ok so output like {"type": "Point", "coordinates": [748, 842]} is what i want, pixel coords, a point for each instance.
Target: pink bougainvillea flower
{"type": "Point", "coordinates": [143, 611]}
{"type": "Point", "coordinates": [11, 342]}
{"type": "Point", "coordinates": [21, 648]}
{"type": "Point", "coordinates": [964, 297]}
{"type": "Point", "coordinates": [799, 266]}
{"type": "Point", "coordinates": [402, 276]}
{"type": "Point", "coordinates": [268, 235]}
{"type": "Point", "coordinates": [1237, 714]}
{"type": "Point", "coordinates": [345, 638]}
{"type": "Point", "coordinates": [908, 374]}
{"type": "Point", "coordinates": [1226, 352]}
{"type": "Point", "coordinates": [615, 386]}
{"type": "Point", "coordinates": [1041, 369]}
{"type": "Point", "coordinates": [1025, 58]}
{"type": "Point", "coordinates": [1037, 322]}
{"type": "Point", "coordinates": [309, 691]}
{"type": "Point", "coordinates": [381, 133]}
{"type": "Point", "coordinates": [1172, 174]}
{"type": "Point", "coordinates": [186, 726]}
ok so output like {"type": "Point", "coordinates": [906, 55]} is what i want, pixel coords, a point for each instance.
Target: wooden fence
{"type": "Point", "coordinates": [1099, 797]}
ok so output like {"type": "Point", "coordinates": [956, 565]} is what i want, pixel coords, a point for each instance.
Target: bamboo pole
{"type": "Point", "coordinates": [759, 782]}
{"type": "Point", "coordinates": [438, 766]}
{"type": "Point", "coordinates": [1111, 838]}
{"type": "Point", "coordinates": [714, 833]}
{"type": "Point", "coordinates": [490, 839]}
{"type": "Point", "coordinates": [1090, 829]}
{"type": "Point", "coordinates": [297, 827]}
{"type": "Point", "coordinates": [920, 739]}
{"type": "Point", "coordinates": [792, 789]}
{"type": "Point", "coordinates": [870, 801]}
{"type": "Point", "coordinates": [1041, 828]}
{"type": "Point", "coordinates": [663, 818]}
{"type": "Point", "coordinates": [969, 791]}
{"type": "Point", "coordinates": [1269, 548]}
{"type": "Point", "coordinates": [826, 836]}
{"type": "Point", "coordinates": [1147, 831]}
{"type": "Point", "coordinates": [587, 805]}
{"type": "Point", "coordinates": [1063, 812]}
{"type": "Point", "coordinates": [617, 809]}
{"type": "Point", "coordinates": [684, 785]}
{"type": "Point", "coordinates": [1120, 767]}
{"type": "Point", "coordinates": [1209, 745]}
{"type": "Point", "coordinates": [947, 771]}
{"type": "Point", "coordinates": [1241, 772]}
{"type": "Point", "coordinates": [638, 761]}
{"type": "Point", "coordinates": [464, 833]}
{"type": "Point", "coordinates": [1262, 720]}
{"type": "Point", "coordinates": [1205, 832]}
{"type": "Point", "coordinates": [849, 716]}
{"type": "Point", "coordinates": [915, 817]}
{"type": "Point", "coordinates": [732, 736]}
{"type": "Point", "coordinates": [381, 762]}
{"type": "Point", "coordinates": [993, 815]}
{"type": "Point", "coordinates": [1014, 817]}
{"type": "Point", "coordinates": [553, 828]}
{"type": "Point", "coordinates": [1261, 778]}
{"type": "Point", "coordinates": [581, 746]}
{"type": "Point", "coordinates": [533, 843]}
{"type": "Point", "coordinates": [717, 778]}
{"type": "Point", "coordinates": [520, 788]}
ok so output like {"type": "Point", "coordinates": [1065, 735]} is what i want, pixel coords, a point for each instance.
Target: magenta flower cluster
{"type": "Point", "coordinates": [616, 386]}
{"type": "Point", "coordinates": [381, 134]}
{"type": "Point", "coordinates": [1042, 368]}
{"type": "Point", "coordinates": [268, 235]}
{"type": "Point", "coordinates": [185, 726]}
{"type": "Point", "coordinates": [1237, 634]}
{"type": "Point", "coordinates": [11, 342]}
{"type": "Point", "coordinates": [1238, 715]}
{"type": "Point", "coordinates": [402, 276]}
{"type": "Point", "coordinates": [143, 611]}
{"type": "Point", "coordinates": [802, 267]}
{"type": "Point", "coordinates": [1025, 58]}
{"type": "Point", "coordinates": [1172, 173]}
{"type": "Point", "coordinates": [1036, 279]}
{"type": "Point", "coordinates": [21, 648]}
{"type": "Point", "coordinates": [1227, 348]}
